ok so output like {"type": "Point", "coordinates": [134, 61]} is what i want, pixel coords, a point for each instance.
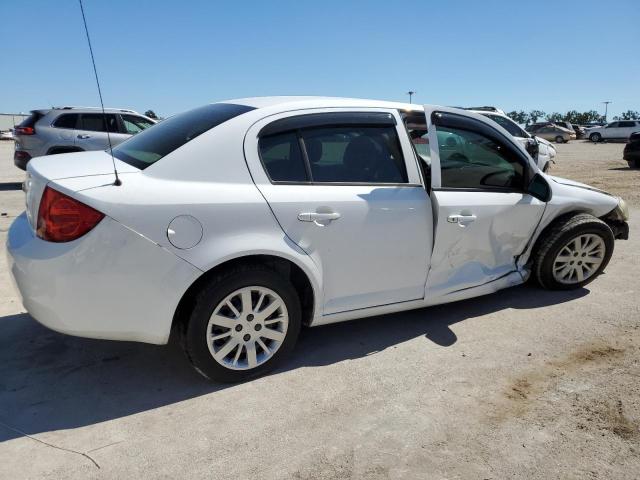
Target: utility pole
{"type": "Point", "coordinates": [411, 93]}
{"type": "Point", "coordinates": [606, 109]}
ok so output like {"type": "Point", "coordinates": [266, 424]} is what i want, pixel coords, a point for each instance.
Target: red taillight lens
{"type": "Point", "coordinates": [62, 218]}
{"type": "Point", "coordinates": [25, 130]}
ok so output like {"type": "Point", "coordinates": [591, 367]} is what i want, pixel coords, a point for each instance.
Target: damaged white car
{"type": "Point", "coordinates": [237, 223]}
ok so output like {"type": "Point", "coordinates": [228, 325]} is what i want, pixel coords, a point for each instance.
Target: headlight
{"type": "Point", "coordinates": [621, 212]}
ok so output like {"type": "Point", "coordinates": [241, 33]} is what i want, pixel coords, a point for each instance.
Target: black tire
{"type": "Point", "coordinates": [559, 235]}
{"type": "Point", "coordinates": [595, 137]}
{"type": "Point", "coordinates": [194, 333]}
{"type": "Point", "coordinates": [559, 139]}
{"type": "Point", "coordinates": [546, 167]}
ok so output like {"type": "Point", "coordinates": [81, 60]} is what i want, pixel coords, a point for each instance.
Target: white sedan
{"type": "Point", "coordinates": [237, 223]}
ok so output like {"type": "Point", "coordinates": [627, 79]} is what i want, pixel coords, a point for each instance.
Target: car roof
{"type": "Point", "coordinates": [85, 110]}
{"type": "Point", "coordinates": [320, 102]}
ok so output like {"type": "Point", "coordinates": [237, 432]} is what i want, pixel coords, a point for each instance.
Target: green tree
{"type": "Point", "coordinates": [554, 117]}
{"type": "Point", "coordinates": [628, 115]}
{"type": "Point", "coordinates": [573, 116]}
{"type": "Point", "coordinates": [520, 117]}
{"type": "Point", "coordinates": [534, 115]}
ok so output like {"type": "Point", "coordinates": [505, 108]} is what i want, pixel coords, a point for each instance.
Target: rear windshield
{"type": "Point", "coordinates": [151, 145]}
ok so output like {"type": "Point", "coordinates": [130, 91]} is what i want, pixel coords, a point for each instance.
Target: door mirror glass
{"type": "Point", "coordinates": [539, 188]}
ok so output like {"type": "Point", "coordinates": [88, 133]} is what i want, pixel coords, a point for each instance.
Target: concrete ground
{"type": "Point", "coordinates": [524, 383]}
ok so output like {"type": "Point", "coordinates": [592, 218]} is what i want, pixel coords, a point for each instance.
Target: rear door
{"type": "Point", "coordinates": [345, 187]}
{"type": "Point", "coordinates": [626, 128]}
{"type": "Point", "coordinates": [484, 217]}
{"type": "Point", "coordinates": [91, 131]}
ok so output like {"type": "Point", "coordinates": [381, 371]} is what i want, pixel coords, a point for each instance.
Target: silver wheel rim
{"type": "Point", "coordinates": [247, 328]}
{"type": "Point", "coordinates": [579, 259]}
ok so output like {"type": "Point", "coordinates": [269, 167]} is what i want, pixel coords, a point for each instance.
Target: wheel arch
{"type": "Point", "coordinates": [307, 289]}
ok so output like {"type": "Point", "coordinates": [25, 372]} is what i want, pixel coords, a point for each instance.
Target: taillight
{"type": "Point", "coordinates": [25, 130]}
{"type": "Point", "coordinates": [62, 218]}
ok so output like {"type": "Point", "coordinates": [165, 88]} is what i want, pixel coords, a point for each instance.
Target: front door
{"type": "Point", "coordinates": [484, 217]}
{"type": "Point", "coordinates": [345, 188]}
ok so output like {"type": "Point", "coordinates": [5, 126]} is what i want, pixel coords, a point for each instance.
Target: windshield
{"type": "Point", "coordinates": [150, 145]}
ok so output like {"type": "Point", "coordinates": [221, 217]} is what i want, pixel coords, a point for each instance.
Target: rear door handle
{"type": "Point", "coordinates": [461, 220]}
{"type": "Point", "coordinates": [318, 218]}
{"type": "Point", "coordinates": [83, 137]}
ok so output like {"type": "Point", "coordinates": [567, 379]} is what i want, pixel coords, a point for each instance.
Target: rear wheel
{"type": "Point", "coordinates": [242, 324]}
{"type": "Point", "coordinates": [573, 252]}
{"type": "Point", "coordinates": [595, 137]}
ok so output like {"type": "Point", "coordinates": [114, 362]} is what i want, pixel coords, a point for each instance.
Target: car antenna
{"type": "Point", "coordinates": [104, 115]}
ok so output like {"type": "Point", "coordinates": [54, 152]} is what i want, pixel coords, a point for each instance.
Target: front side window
{"type": "Point", "coordinates": [95, 122]}
{"type": "Point", "coordinates": [335, 154]}
{"type": "Point", "coordinates": [613, 125]}
{"type": "Point", "coordinates": [134, 124]}
{"type": "Point", "coordinates": [472, 160]}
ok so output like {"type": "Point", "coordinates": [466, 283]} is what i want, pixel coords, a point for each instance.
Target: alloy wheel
{"type": "Point", "coordinates": [247, 328]}
{"type": "Point", "coordinates": [579, 259]}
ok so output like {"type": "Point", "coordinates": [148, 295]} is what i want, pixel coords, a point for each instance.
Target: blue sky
{"type": "Point", "coordinates": [171, 56]}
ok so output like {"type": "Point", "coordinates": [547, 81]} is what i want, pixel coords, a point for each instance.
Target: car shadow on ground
{"type": "Point", "coordinates": [50, 381]}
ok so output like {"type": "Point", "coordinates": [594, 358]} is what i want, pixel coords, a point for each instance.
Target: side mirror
{"type": "Point", "coordinates": [532, 148]}
{"type": "Point", "coordinates": [539, 188]}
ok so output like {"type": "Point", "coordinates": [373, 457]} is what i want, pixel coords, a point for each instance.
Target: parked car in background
{"type": "Point", "coordinates": [554, 133]}
{"type": "Point", "coordinates": [74, 129]}
{"type": "Point", "coordinates": [632, 150]}
{"type": "Point", "coordinates": [619, 130]}
{"type": "Point", "coordinates": [542, 151]}
{"type": "Point", "coordinates": [6, 135]}
{"type": "Point", "coordinates": [580, 131]}
{"type": "Point", "coordinates": [567, 125]}
{"type": "Point", "coordinates": [239, 222]}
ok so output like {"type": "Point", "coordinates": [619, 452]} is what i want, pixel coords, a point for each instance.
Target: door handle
{"type": "Point", "coordinates": [83, 137]}
{"type": "Point", "coordinates": [318, 218]}
{"type": "Point", "coordinates": [461, 220]}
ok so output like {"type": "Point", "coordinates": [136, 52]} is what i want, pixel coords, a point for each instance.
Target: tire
{"type": "Point", "coordinates": [546, 167]}
{"type": "Point", "coordinates": [559, 139]}
{"type": "Point", "coordinates": [595, 137]}
{"type": "Point", "coordinates": [199, 347]}
{"type": "Point", "coordinates": [556, 247]}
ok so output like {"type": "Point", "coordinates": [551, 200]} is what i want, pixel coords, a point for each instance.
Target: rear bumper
{"type": "Point", "coordinates": [111, 283]}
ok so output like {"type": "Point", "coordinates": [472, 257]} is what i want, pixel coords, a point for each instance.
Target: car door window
{"type": "Point", "coordinates": [612, 125]}
{"type": "Point", "coordinates": [134, 124]}
{"type": "Point", "coordinates": [68, 121]}
{"type": "Point", "coordinates": [627, 124]}
{"type": "Point", "coordinates": [282, 158]}
{"type": "Point", "coordinates": [355, 155]}
{"type": "Point", "coordinates": [95, 122]}
{"type": "Point", "coordinates": [472, 160]}
{"type": "Point", "coordinates": [350, 154]}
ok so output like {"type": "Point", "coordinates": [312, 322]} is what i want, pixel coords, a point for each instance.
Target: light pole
{"type": "Point", "coordinates": [606, 109]}
{"type": "Point", "coordinates": [411, 93]}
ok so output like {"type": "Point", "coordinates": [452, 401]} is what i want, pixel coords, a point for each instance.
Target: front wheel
{"type": "Point", "coordinates": [573, 252]}
{"type": "Point", "coordinates": [559, 139]}
{"type": "Point", "coordinates": [242, 324]}
{"type": "Point", "coordinates": [595, 137]}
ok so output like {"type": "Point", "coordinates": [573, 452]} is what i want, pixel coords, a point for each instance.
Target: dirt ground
{"type": "Point", "coordinates": [524, 383]}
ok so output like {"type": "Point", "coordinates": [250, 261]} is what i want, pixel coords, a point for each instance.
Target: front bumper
{"type": "Point", "coordinates": [112, 283]}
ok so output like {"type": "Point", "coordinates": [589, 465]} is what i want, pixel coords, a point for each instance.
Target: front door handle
{"type": "Point", "coordinates": [319, 218]}
{"type": "Point", "coordinates": [461, 220]}
{"type": "Point", "coordinates": [83, 136]}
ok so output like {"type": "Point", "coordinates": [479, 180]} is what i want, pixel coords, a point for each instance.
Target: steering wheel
{"type": "Point", "coordinates": [507, 181]}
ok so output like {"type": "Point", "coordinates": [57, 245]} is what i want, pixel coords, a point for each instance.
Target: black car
{"type": "Point", "coordinates": [580, 132]}
{"type": "Point", "coordinates": [632, 150]}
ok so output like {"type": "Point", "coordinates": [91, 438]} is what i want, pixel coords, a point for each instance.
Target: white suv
{"type": "Point", "coordinates": [237, 223]}
{"type": "Point", "coordinates": [619, 130]}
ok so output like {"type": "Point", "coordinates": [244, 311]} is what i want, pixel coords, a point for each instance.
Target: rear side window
{"type": "Point", "coordinates": [334, 154]}
{"type": "Point", "coordinates": [134, 124]}
{"type": "Point", "coordinates": [355, 155]}
{"type": "Point", "coordinates": [151, 145]}
{"type": "Point", "coordinates": [68, 120]}
{"type": "Point", "coordinates": [627, 124]}
{"type": "Point", "coordinates": [95, 122]}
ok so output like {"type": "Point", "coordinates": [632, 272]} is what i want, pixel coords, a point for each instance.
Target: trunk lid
{"type": "Point", "coordinates": [69, 172]}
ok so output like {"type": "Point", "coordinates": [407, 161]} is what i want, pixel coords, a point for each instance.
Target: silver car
{"type": "Point", "coordinates": [74, 129]}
